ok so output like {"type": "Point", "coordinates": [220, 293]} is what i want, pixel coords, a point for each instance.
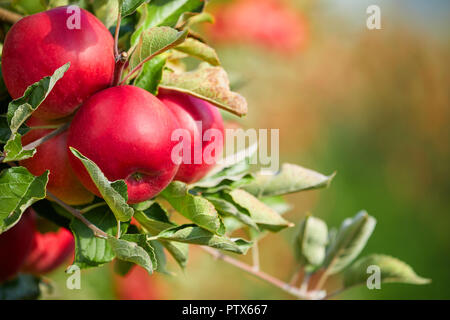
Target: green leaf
{"type": "Point", "coordinates": [150, 76]}
{"type": "Point", "coordinates": [23, 287]}
{"type": "Point", "coordinates": [129, 6]}
{"type": "Point", "coordinates": [277, 203]}
{"type": "Point", "coordinates": [20, 109]}
{"type": "Point", "coordinates": [311, 241]}
{"type": "Point", "coordinates": [155, 41]}
{"type": "Point", "coordinates": [19, 189]}
{"type": "Point", "coordinates": [228, 208]}
{"type": "Point", "coordinates": [200, 50]}
{"type": "Point", "coordinates": [189, 19]}
{"type": "Point", "coordinates": [207, 83]}
{"type": "Point", "coordinates": [14, 151]}
{"type": "Point", "coordinates": [5, 132]}
{"type": "Point", "coordinates": [154, 219]}
{"type": "Point", "coordinates": [291, 178]}
{"type": "Point", "coordinates": [264, 216]}
{"type": "Point", "coordinates": [91, 251]}
{"type": "Point", "coordinates": [349, 242]}
{"type": "Point", "coordinates": [114, 193]}
{"type": "Point", "coordinates": [133, 251]}
{"type": "Point", "coordinates": [195, 235]}
{"type": "Point", "coordinates": [195, 208]}
{"type": "Point", "coordinates": [179, 251]}
{"type": "Point", "coordinates": [392, 270]}
{"type": "Point", "coordinates": [160, 256]}
{"type": "Point", "coordinates": [233, 165]}
{"type": "Point", "coordinates": [141, 241]}
{"type": "Point", "coordinates": [106, 11]}
{"type": "Point", "coordinates": [165, 13]}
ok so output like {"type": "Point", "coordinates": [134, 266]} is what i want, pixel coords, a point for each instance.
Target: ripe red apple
{"type": "Point", "coordinates": [49, 251]}
{"type": "Point", "coordinates": [204, 123]}
{"type": "Point", "coordinates": [126, 131]}
{"type": "Point", "coordinates": [272, 24]}
{"type": "Point", "coordinates": [52, 155]}
{"type": "Point", "coordinates": [15, 245]}
{"type": "Point", "coordinates": [39, 44]}
{"type": "Point", "coordinates": [137, 285]}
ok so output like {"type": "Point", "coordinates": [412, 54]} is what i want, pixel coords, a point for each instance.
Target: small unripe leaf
{"type": "Point", "coordinates": [349, 242]}
{"type": "Point", "coordinates": [310, 241]}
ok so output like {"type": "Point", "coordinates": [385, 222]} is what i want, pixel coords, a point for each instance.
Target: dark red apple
{"type": "Point", "coordinates": [204, 124]}
{"type": "Point", "coordinates": [49, 251]}
{"type": "Point", "coordinates": [39, 44]}
{"type": "Point", "coordinates": [127, 132]}
{"type": "Point", "coordinates": [15, 245]}
{"type": "Point", "coordinates": [52, 155]}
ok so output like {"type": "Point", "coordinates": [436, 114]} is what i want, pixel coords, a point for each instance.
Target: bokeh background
{"type": "Point", "coordinates": [372, 105]}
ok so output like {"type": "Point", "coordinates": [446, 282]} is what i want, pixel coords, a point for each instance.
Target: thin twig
{"type": "Point", "coordinates": [259, 274]}
{"type": "Point", "coordinates": [255, 256]}
{"type": "Point", "coordinates": [77, 214]}
{"type": "Point", "coordinates": [295, 277]}
{"type": "Point", "coordinates": [43, 139]}
{"type": "Point", "coordinates": [116, 34]}
{"type": "Point", "coordinates": [9, 16]}
{"type": "Point", "coordinates": [91, 207]}
{"type": "Point", "coordinates": [47, 137]}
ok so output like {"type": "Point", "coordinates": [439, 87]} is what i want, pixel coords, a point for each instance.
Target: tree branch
{"type": "Point", "coordinates": [260, 274]}
{"type": "Point", "coordinates": [47, 137]}
{"type": "Point", "coordinates": [77, 214]}
{"type": "Point", "coordinates": [9, 16]}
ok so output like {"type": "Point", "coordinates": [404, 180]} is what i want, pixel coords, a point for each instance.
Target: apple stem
{"type": "Point", "coordinates": [260, 274]}
{"type": "Point", "coordinates": [120, 66]}
{"type": "Point", "coordinates": [77, 214]}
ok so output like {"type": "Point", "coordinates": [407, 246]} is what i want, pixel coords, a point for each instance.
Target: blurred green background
{"type": "Point", "coordinates": [372, 105]}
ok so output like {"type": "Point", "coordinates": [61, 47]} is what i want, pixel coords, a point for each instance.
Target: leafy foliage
{"type": "Point", "coordinates": [19, 189]}
{"type": "Point", "coordinates": [195, 235]}
{"type": "Point", "coordinates": [114, 193]}
{"type": "Point", "coordinates": [91, 251]}
{"type": "Point", "coordinates": [164, 13]}
{"type": "Point", "coordinates": [195, 208]}
{"type": "Point", "coordinates": [20, 109]}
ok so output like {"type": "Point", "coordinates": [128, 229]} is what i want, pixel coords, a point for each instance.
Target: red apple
{"type": "Point", "coordinates": [39, 44]}
{"type": "Point", "coordinates": [15, 245]}
{"type": "Point", "coordinates": [49, 251]}
{"type": "Point", "coordinates": [52, 155]}
{"type": "Point", "coordinates": [204, 124]}
{"type": "Point", "coordinates": [127, 132]}
{"type": "Point", "coordinates": [137, 285]}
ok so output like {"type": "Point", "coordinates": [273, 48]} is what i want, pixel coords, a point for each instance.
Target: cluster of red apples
{"type": "Point", "coordinates": [124, 129]}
